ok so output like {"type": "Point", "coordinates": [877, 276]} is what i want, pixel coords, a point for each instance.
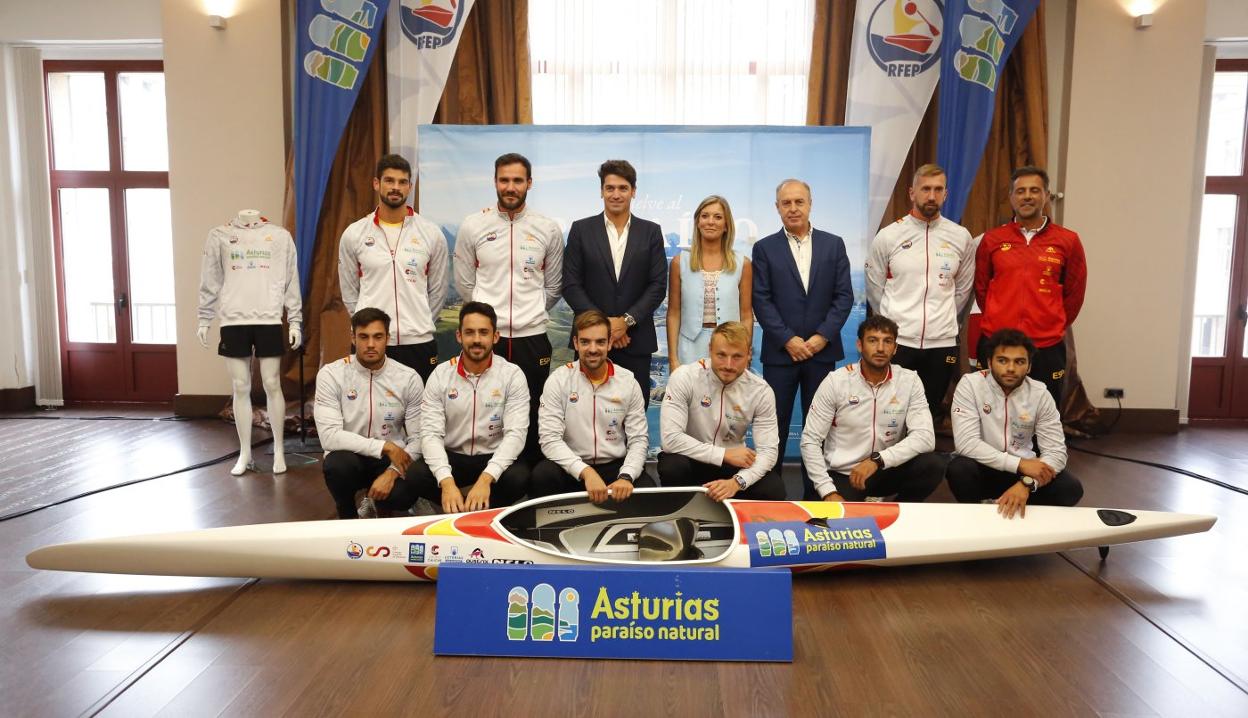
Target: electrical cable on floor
{"type": "Point", "coordinates": [1166, 467]}
{"type": "Point", "coordinates": [1156, 623]}
{"type": "Point", "coordinates": [102, 489]}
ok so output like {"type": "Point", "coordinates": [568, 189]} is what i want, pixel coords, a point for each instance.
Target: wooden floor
{"type": "Point", "coordinates": [1159, 629]}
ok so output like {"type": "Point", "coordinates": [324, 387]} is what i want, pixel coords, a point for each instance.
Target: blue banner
{"type": "Point", "coordinates": [592, 612]}
{"type": "Point", "coordinates": [335, 41]}
{"type": "Point", "coordinates": [979, 36]}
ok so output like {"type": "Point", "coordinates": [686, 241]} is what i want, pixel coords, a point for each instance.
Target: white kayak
{"type": "Point", "coordinates": [655, 527]}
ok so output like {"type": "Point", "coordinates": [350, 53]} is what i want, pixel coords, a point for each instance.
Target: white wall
{"type": "Point", "coordinates": [1130, 173]}
{"type": "Point", "coordinates": [79, 21]}
{"type": "Point", "coordinates": [1226, 20]}
{"type": "Point", "coordinates": [226, 147]}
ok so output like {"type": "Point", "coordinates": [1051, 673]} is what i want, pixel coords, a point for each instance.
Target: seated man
{"type": "Point", "coordinates": [869, 430]}
{"type": "Point", "coordinates": [996, 413]}
{"type": "Point", "coordinates": [591, 422]}
{"type": "Point", "coordinates": [473, 422]}
{"type": "Point", "coordinates": [707, 408]}
{"type": "Point", "coordinates": [368, 419]}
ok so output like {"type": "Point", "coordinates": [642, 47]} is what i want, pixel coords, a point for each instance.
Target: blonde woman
{"type": "Point", "coordinates": [709, 285]}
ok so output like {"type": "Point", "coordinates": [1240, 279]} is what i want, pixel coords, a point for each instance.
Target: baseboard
{"type": "Point", "coordinates": [17, 399]}
{"type": "Point", "coordinates": [1141, 421]}
{"type": "Point", "coordinates": [199, 405]}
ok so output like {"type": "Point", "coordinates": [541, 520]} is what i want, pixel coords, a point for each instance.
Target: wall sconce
{"type": "Point", "coordinates": [216, 22]}
{"type": "Point", "coordinates": [217, 12]}
{"type": "Point", "coordinates": [1143, 22]}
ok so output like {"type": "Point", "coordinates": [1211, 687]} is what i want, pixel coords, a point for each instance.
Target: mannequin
{"type": "Point", "coordinates": [244, 262]}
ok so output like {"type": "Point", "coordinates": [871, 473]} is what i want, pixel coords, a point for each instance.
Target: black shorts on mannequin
{"type": "Point", "coordinates": [240, 341]}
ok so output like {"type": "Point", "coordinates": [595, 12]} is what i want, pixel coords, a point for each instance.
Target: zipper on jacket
{"type": "Point", "coordinates": [370, 404]}
{"type": "Point", "coordinates": [511, 285]}
{"type": "Point", "coordinates": [715, 436]}
{"type": "Point", "coordinates": [927, 278]}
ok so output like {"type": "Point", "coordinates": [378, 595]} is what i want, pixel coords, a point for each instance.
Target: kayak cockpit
{"type": "Point", "coordinates": [664, 525]}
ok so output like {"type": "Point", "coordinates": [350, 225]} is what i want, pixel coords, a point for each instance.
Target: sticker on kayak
{"type": "Point", "coordinates": [790, 543]}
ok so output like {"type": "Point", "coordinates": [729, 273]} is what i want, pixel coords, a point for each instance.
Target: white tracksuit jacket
{"type": "Point", "coordinates": [359, 410]}
{"type": "Point", "coordinates": [921, 275]}
{"type": "Point", "coordinates": [514, 265]}
{"type": "Point", "coordinates": [248, 274]}
{"type": "Point", "coordinates": [996, 431]}
{"type": "Point", "coordinates": [409, 285]}
{"type": "Point", "coordinates": [702, 417]}
{"type": "Point", "coordinates": [849, 420]}
{"type": "Point", "coordinates": [474, 415]}
{"type": "Point", "coordinates": [582, 425]}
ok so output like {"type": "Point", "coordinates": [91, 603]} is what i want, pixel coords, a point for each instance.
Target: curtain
{"type": "Point", "coordinates": [490, 82]}
{"type": "Point", "coordinates": [648, 62]}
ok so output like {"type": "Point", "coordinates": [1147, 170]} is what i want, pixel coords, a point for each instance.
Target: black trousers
{"type": "Point", "coordinates": [639, 365]}
{"type": "Point", "coordinates": [532, 355]}
{"type": "Point", "coordinates": [972, 482]}
{"type": "Point", "coordinates": [680, 470]}
{"type": "Point", "coordinates": [912, 481]}
{"type": "Point", "coordinates": [785, 379]}
{"type": "Point", "coordinates": [550, 478]}
{"type": "Point", "coordinates": [421, 357]}
{"type": "Point", "coordinates": [465, 470]}
{"type": "Point", "coordinates": [936, 368]}
{"type": "Point", "coordinates": [1048, 366]}
{"type": "Point", "coordinates": [347, 473]}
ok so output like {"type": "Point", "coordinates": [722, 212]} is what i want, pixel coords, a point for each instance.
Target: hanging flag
{"type": "Point", "coordinates": [893, 70]}
{"type": "Point", "coordinates": [980, 36]}
{"type": "Point", "coordinates": [335, 41]}
{"type": "Point", "coordinates": [421, 38]}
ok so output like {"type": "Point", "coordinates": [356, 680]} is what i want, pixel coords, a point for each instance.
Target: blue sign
{"type": "Point", "coordinates": [793, 543]}
{"type": "Point", "coordinates": [592, 612]}
{"type": "Point", "coordinates": [334, 46]}
{"type": "Point", "coordinates": [979, 36]}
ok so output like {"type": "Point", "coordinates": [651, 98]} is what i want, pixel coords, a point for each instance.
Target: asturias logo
{"type": "Point", "coordinates": [904, 36]}
{"type": "Point", "coordinates": [539, 618]}
{"type": "Point", "coordinates": [430, 24]}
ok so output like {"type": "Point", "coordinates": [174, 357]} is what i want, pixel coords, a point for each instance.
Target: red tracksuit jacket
{"type": "Point", "coordinates": [1036, 288]}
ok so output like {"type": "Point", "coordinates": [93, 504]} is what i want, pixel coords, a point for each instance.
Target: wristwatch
{"type": "Point", "coordinates": [628, 319]}
{"type": "Point", "coordinates": [1030, 483]}
{"type": "Point", "coordinates": [625, 477]}
{"type": "Point", "coordinates": [877, 459]}
{"type": "Point", "coordinates": [741, 483]}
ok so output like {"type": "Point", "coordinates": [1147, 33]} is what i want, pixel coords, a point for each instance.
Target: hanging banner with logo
{"type": "Point", "coordinates": [602, 612]}
{"type": "Point", "coordinates": [980, 36]}
{"type": "Point", "coordinates": [421, 38]}
{"type": "Point", "coordinates": [335, 41]}
{"type": "Point", "coordinates": [893, 68]}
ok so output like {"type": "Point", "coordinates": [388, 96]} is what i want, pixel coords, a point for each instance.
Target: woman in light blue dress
{"type": "Point", "coordinates": [709, 284]}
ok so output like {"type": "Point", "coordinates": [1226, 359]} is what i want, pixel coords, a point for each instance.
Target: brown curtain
{"type": "Point", "coordinates": [348, 196]}
{"type": "Point", "coordinates": [489, 82]}
{"type": "Point", "coordinates": [829, 62]}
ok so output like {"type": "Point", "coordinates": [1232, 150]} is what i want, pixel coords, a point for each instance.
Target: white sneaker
{"type": "Point", "coordinates": [367, 509]}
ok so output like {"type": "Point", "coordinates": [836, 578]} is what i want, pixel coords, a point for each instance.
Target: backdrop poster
{"type": "Point", "coordinates": [677, 167]}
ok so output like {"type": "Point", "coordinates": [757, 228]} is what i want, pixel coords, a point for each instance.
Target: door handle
{"type": "Point", "coordinates": [122, 302]}
{"type": "Point", "coordinates": [1243, 313]}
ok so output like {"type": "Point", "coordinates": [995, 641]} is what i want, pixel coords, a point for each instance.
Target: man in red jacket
{"type": "Point", "coordinates": [1030, 275]}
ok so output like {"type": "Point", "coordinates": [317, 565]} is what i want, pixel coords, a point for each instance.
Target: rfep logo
{"type": "Point", "coordinates": [904, 36]}
{"type": "Point", "coordinates": [430, 24]}
{"type": "Point", "coordinates": [539, 617]}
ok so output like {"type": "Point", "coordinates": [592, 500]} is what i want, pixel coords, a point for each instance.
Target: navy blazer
{"type": "Point", "coordinates": [784, 310]}
{"type": "Point", "coordinates": [589, 280]}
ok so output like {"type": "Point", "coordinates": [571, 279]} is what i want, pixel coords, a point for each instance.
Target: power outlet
{"type": "Point", "coordinates": [1114, 393]}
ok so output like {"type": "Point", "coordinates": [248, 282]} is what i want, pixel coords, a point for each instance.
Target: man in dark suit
{"type": "Point", "coordinates": [802, 297]}
{"type": "Point", "coordinates": [615, 263]}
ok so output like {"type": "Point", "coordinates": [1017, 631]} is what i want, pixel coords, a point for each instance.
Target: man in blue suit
{"type": "Point", "coordinates": [802, 297]}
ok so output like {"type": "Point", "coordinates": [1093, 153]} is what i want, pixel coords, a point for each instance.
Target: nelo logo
{"type": "Point", "coordinates": [904, 36]}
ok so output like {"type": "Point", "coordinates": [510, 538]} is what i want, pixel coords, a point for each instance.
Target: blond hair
{"type": "Point", "coordinates": [733, 333]}
{"type": "Point", "coordinates": [725, 243]}
{"type": "Point", "coordinates": [930, 169]}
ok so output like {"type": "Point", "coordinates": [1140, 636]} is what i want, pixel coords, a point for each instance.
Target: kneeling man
{"type": "Point", "coordinates": [368, 420]}
{"type": "Point", "coordinates": [996, 413]}
{"type": "Point", "coordinates": [869, 431]}
{"type": "Point", "coordinates": [473, 422]}
{"type": "Point", "coordinates": [591, 422]}
{"type": "Point", "coordinates": [707, 408]}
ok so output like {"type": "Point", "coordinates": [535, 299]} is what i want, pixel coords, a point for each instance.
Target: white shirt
{"type": "Point", "coordinates": [1029, 233]}
{"type": "Point", "coordinates": [618, 241]}
{"type": "Point", "coordinates": [392, 234]}
{"type": "Point", "coordinates": [801, 248]}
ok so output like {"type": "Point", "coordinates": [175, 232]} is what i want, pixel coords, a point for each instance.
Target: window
{"type": "Point", "coordinates": [660, 62]}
